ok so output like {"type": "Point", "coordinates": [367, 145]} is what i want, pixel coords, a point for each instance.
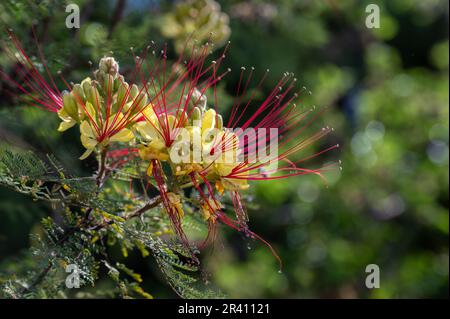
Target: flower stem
{"type": "Point", "coordinates": [102, 171]}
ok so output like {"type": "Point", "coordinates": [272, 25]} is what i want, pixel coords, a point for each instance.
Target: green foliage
{"type": "Point", "coordinates": [177, 265]}
{"type": "Point", "coordinates": [82, 241]}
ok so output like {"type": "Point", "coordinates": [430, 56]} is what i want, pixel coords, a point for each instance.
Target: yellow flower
{"type": "Point", "coordinates": [67, 120]}
{"type": "Point", "coordinates": [150, 130]}
{"type": "Point", "coordinates": [187, 169]}
{"type": "Point", "coordinates": [90, 137]}
{"type": "Point", "coordinates": [70, 113]}
{"type": "Point", "coordinates": [227, 160]}
{"type": "Point", "coordinates": [155, 150]}
{"type": "Point", "coordinates": [209, 207]}
{"type": "Point", "coordinates": [208, 121]}
{"type": "Point", "coordinates": [175, 202]}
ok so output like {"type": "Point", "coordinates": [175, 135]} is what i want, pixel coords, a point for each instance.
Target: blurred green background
{"type": "Point", "coordinates": [387, 93]}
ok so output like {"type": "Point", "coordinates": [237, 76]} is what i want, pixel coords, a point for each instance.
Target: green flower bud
{"type": "Point", "coordinates": [196, 116]}
{"type": "Point", "coordinates": [134, 91]}
{"type": "Point", "coordinates": [108, 84]}
{"type": "Point", "coordinates": [121, 93]}
{"type": "Point", "coordinates": [86, 85]}
{"type": "Point", "coordinates": [92, 94]}
{"type": "Point", "coordinates": [70, 106]}
{"type": "Point", "coordinates": [142, 100]}
{"type": "Point", "coordinates": [137, 104]}
{"type": "Point", "coordinates": [118, 82]}
{"type": "Point", "coordinates": [78, 93]}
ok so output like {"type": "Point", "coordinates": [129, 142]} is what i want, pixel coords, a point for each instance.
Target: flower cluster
{"type": "Point", "coordinates": [105, 107]}
{"type": "Point", "coordinates": [202, 17]}
{"type": "Point", "coordinates": [163, 116]}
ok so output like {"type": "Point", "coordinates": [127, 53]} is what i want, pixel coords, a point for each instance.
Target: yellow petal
{"type": "Point", "coordinates": [66, 124]}
{"type": "Point", "coordinates": [171, 119]}
{"type": "Point", "coordinates": [70, 106]}
{"type": "Point", "coordinates": [112, 117]}
{"type": "Point", "coordinates": [224, 169]}
{"type": "Point", "coordinates": [63, 114]}
{"type": "Point", "coordinates": [89, 108]}
{"type": "Point", "coordinates": [86, 154]}
{"type": "Point", "coordinates": [147, 130]}
{"type": "Point", "coordinates": [219, 187]}
{"type": "Point", "coordinates": [209, 120]}
{"type": "Point", "coordinates": [114, 120]}
{"type": "Point", "coordinates": [176, 203]}
{"type": "Point", "coordinates": [127, 106]}
{"type": "Point", "coordinates": [86, 129]}
{"type": "Point", "coordinates": [88, 142]}
{"type": "Point", "coordinates": [148, 112]}
{"type": "Point", "coordinates": [124, 135]}
{"type": "Point", "coordinates": [150, 169]}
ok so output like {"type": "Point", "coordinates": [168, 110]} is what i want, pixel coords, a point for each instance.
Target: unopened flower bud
{"type": "Point", "coordinates": [199, 99]}
{"type": "Point", "coordinates": [196, 116]}
{"type": "Point", "coordinates": [91, 93]}
{"type": "Point", "coordinates": [70, 106]}
{"type": "Point", "coordinates": [142, 100]}
{"type": "Point", "coordinates": [118, 82]}
{"type": "Point", "coordinates": [121, 93]}
{"type": "Point", "coordinates": [86, 85]}
{"type": "Point", "coordinates": [134, 91]}
{"type": "Point", "coordinates": [78, 93]}
{"type": "Point", "coordinates": [108, 83]}
{"type": "Point", "coordinates": [108, 65]}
